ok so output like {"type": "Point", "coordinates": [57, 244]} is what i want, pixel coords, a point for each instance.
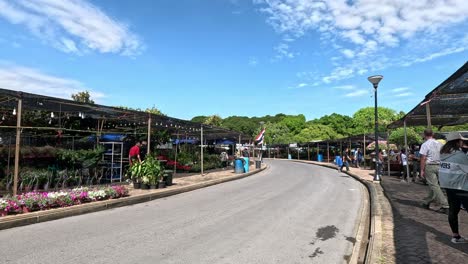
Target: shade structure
{"type": "Point", "coordinates": [446, 105]}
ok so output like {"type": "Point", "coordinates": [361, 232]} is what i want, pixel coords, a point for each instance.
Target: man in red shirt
{"type": "Point", "coordinates": [134, 154]}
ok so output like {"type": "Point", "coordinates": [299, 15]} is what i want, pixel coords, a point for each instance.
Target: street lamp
{"type": "Point", "coordinates": [375, 82]}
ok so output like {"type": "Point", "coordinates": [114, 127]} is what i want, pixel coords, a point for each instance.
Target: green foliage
{"type": "Point", "coordinates": [82, 97]}
{"type": "Point", "coordinates": [199, 119]}
{"type": "Point", "coordinates": [398, 137]}
{"type": "Point", "coordinates": [294, 123]}
{"type": "Point", "coordinates": [315, 132]}
{"type": "Point", "coordinates": [341, 124]}
{"type": "Point", "coordinates": [85, 158]}
{"type": "Point", "coordinates": [214, 120]}
{"type": "Point", "coordinates": [364, 119]}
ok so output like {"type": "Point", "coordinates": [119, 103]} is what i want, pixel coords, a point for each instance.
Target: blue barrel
{"type": "Point", "coordinates": [239, 166]}
{"type": "Point", "coordinates": [289, 156]}
{"type": "Point", "coordinates": [320, 157]}
{"type": "Point", "coordinates": [246, 164]}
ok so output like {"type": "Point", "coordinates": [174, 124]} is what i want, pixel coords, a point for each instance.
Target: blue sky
{"type": "Point", "coordinates": [233, 57]}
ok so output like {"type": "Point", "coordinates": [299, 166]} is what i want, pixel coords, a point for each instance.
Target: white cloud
{"type": "Point", "coordinates": [345, 87]}
{"type": "Point", "coordinates": [348, 53]}
{"type": "Point", "coordinates": [34, 81]}
{"type": "Point", "coordinates": [403, 94]}
{"type": "Point", "coordinates": [373, 35]}
{"type": "Point", "coordinates": [401, 89]}
{"type": "Point", "coordinates": [72, 26]}
{"type": "Point", "coordinates": [283, 52]}
{"type": "Point", "coordinates": [301, 85]}
{"type": "Point", "coordinates": [357, 93]}
{"type": "Point", "coordinates": [253, 61]}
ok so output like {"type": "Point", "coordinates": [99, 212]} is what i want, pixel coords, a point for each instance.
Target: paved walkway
{"type": "Point", "coordinates": [419, 235]}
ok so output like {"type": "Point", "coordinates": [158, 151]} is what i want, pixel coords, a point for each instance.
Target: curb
{"type": "Point", "coordinates": [376, 222]}
{"type": "Point", "coordinates": [8, 222]}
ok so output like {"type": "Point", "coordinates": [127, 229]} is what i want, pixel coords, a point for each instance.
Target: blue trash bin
{"type": "Point", "coordinates": [246, 165]}
{"type": "Point", "coordinates": [289, 156]}
{"type": "Point", "coordinates": [320, 157]}
{"type": "Point", "coordinates": [239, 166]}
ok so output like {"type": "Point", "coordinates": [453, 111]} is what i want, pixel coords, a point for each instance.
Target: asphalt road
{"type": "Point", "coordinates": [290, 213]}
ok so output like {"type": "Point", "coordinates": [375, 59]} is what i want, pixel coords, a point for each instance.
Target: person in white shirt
{"type": "Point", "coordinates": [453, 173]}
{"type": "Point", "coordinates": [430, 161]}
{"type": "Point", "coordinates": [404, 164]}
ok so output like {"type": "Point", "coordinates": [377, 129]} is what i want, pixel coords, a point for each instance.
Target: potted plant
{"type": "Point", "coordinates": [135, 173]}
{"type": "Point", "coordinates": [152, 171]}
{"type": "Point", "coordinates": [168, 174]}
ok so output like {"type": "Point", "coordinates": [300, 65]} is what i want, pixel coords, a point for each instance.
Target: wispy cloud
{"type": "Point", "coordinates": [401, 89]}
{"type": "Point", "coordinates": [72, 26]}
{"type": "Point", "coordinates": [357, 93]}
{"type": "Point", "coordinates": [403, 94]}
{"type": "Point", "coordinates": [26, 79]}
{"type": "Point", "coordinates": [301, 85]}
{"type": "Point", "coordinates": [345, 87]}
{"type": "Point", "coordinates": [253, 61]}
{"type": "Point", "coordinates": [377, 34]}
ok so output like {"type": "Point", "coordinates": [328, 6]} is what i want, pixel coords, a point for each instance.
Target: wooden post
{"type": "Point", "coordinates": [148, 151]}
{"type": "Point", "coordinates": [201, 152]}
{"type": "Point", "coordinates": [388, 153]}
{"type": "Point", "coordinates": [428, 115]}
{"type": "Point", "coordinates": [18, 145]}
{"type": "Point", "coordinates": [177, 143]}
{"type": "Point", "coordinates": [328, 151]}
{"type": "Point", "coordinates": [308, 152]}
{"type": "Point", "coordinates": [364, 154]}
{"type": "Point", "coordinates": [318, 150]}
{"type": "Point", "coordinates": [407, 154]}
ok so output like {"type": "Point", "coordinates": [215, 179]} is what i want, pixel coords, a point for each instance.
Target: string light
{"type": "Point", "coordinates": [52, 114]}
{"type": "Point", "coordinates": [3, 117]}
{"type": "Point", "coordinates": [14, 111]}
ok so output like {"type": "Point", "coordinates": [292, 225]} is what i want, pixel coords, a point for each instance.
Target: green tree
{"type": "Point", "coordinates": [82, 97]}
{"type": "Point", "coordinates": [214, 120]}
{"type": "Point", "coordinates": [294, 123]}
{"type": "Point", "coordinates": [278, 133]}
{"type": "Point", "coordinates": [398, 137]}
{"type": "Point", "coordinates": [316, 132]}
{"type": "Point", "coordinates": [155, 111]}
{"type": "Point", "coordinates": [364, 119]}
{"type": "Point", "coordinates": [341, 124]}
{"type": "Point", "coordinates": [199, 119]}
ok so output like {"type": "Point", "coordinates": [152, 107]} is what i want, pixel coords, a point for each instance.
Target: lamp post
{"type": "Point", "coordinates": [260, 155]}
{"type": "Point", "coordinates": [375, 82]}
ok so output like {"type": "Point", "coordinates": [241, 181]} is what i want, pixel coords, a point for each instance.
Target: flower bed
{"type": "Point", "coordinates": [35, 201]}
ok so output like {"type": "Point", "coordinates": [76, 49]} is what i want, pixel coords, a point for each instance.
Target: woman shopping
{"type": "Point", "coordinates": [453, 177]}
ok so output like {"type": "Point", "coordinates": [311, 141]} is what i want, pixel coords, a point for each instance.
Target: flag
{"type": "Point", "coordinates": [259, 138]}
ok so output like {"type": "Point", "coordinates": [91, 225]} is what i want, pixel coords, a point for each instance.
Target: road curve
{"type": "Point", "coordinates": [290, 213]}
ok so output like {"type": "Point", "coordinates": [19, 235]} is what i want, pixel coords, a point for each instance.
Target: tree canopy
{"type": "Point", "coordinates": [82, 97]}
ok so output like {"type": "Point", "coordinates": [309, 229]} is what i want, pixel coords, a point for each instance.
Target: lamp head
{"type": "Point", "coordinates": [375, 80]}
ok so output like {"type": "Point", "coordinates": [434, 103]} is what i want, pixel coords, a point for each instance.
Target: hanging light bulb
{"type": "Point", "coordinates": [50, 121]}
{"type": "Point", "coordinates": [52, 114]}
{"type": "Point", "coordinates": [79, 114]}
{"type": "Point", "coordinates": [3, 117]}
{"type": "Point", "coordinates": [14, 111]}
{"type": "Point", "coordinates": [82, 116]}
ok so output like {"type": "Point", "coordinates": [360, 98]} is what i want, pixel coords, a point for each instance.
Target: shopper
{"type": "Point", "coordinates": [430, 161]}
{"type": "Point", "coordinates": [404, 164]}
{"type": "Point", "coordinates": [453, 173]}
{"type": "Point", "coordinates": [346, 160]}
{"type": "Point", "coordinates": [134, 154]}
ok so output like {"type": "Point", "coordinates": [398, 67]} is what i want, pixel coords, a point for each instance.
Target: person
{"type": "Point", "coordinates": [134, 154]}
{"type": "Point", "coordinates": [430, 160]}
{"type": "Point", "coordinates": [404, 164]}
{"type": "Point", "coordinates": [416, 163]}
{"type": "Point", "coordinates": [346, 159]}
{"type": "Point", "coordinates": [359, 158]}
{"type": "Point", "coordinates": [224, 159]}
{"type": "Point", "coordinates": [453, 173]}
{"type": "Point", "coordinates": [143, 150]}
{"type": "Point", "coordinates": [380, 160]}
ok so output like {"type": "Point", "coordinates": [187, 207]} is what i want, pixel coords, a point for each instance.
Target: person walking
{"type": "Point", "coordinates": [359, 158]}
{"type": "Point", "coordinates": [430, 161]}
{"type": "Point", "coordinates": [453, 173]}
{"type": "Point", "coordinates": [346, 159]}
{"type": "Point", "coordinates": [404, 164]}
{"type": "Point", "coordinates": [416, 163]}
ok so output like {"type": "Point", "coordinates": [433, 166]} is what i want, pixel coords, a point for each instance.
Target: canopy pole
{"type": "Point", "coordinates": [148, 151]}
{"type": "Point", "coordinates": [9, 157]}
{"type": "Point", "coordinates": [428, 115]}
{"type": "Point", "coordinates": [364, 147]}
{"type": "Point", "coordinates": [388, 153]}
{"type": "Point", "coordinates": [318, 150]}
{"type": "Point", "coordinates": [18, 145]}
{"type": "Point", "coordinates": [406, 150]}
{"type": "Point", "coordinates": [328, 151]}
{"type": "Point", "coordinates": [308, 152]}
{"type": "Point", "coordinates": [177, 143]}
{"type": "Point", "coordinates": [201, 152]}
